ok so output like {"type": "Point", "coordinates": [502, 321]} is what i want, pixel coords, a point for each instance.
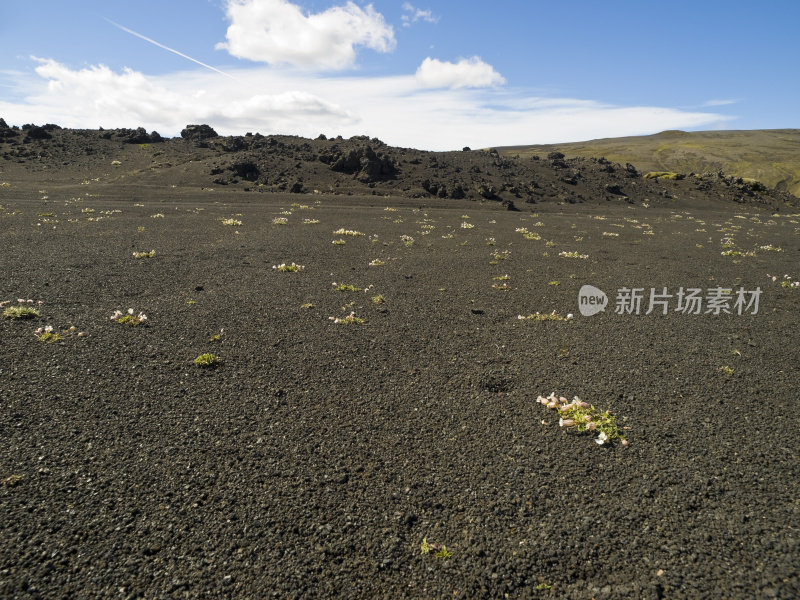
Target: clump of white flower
{"type": "Point", "coordinates": [583, 417]}
{"type": "Point", "coordinates": [292, 268]}
{"type": "Point", "coordinates": [566, 254]}
{"type": "Point", "coordinates": [130, 318]}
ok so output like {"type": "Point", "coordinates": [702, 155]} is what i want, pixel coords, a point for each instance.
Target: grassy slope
{"type": "Point", "coordinates": [772, 156]}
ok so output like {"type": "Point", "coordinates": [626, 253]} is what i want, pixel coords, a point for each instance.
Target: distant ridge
{"type": "Point", "coordinates": [770, 156]}
{"type": "Point", "coordinates": [51, 157]}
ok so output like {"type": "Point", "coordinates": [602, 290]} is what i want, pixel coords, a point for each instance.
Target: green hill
{"type": "Point", "coordinates": [771, 156]}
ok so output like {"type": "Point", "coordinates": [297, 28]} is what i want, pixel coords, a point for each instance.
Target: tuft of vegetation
{"type": "Point", "coordinates": [350, 232]}
{"type": "Point", "coordinates": [150, 254]}
{"type": "Point", "coordinates": [663, 175]}
{"type": "Point", "coordinates": [131, 319]}
{"type": "Point", "coordinates": [439, 550]}
{"type": "Point", "coordinates": [206, 360]}
{"type": "Point", "coordinates": [21, 312]}
{"type": "Point", "coordinates": [345, 287]}
{"type": "Point", "coordinates": [292, 268]}
{"type": "Point", "coordinates": [12, 480]}
{"type": "Point", "coordinates": [350, 319]}
{"type": "Point", "coordinates": [584, 418]}
{"type": "Point", "coordinates": [553, 316]}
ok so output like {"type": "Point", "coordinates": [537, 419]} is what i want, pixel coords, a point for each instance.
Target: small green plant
{"type": "Point", "coordinates": [350, 232]}
{"type": "Point", "coordinates": [307, 306]}
{"type": "Point", "coordinates": [292, 268]}
{"type": "Point", "coordinates": [583, 417]}
{"type": "Point", "coordinates": [553, 316]}
{"type": "Point", "coordinates": [554, 283]}
{"type": "Point", "coordinates": [231, 222]}
{"type": "Point", "coordinates": [310, 221]}
{"type": "Point", "coordinates": [339, 242]}
{"type": "Point", "coordinates": [348, 320]}
{"type": "Point", "coordinates": [12, 480]}
{"type": "Point", "coordinates": [45, 334]}
{"type": "Point", "coordinates": [662, 175]}
{"type": "Point", "coordinates": [345, 287]}
{"type": "Point", "coordinates": [726, 369]}
{"type": "Point", "coordinates": [23, 310]}
{"type": "Point", "coordinates": [206, 361]}
{"type": "Point", "coordinates": [130, 318]}
{"type": "Point", "coordinates": [217, 337]}
{"type": "Point", "coordinates": [407, 240]}
{"type": "Point", "coordinates": [150, 254]}
{"type": "Point", "coordinates": [505, 277]}
{"type": "Point", "coordinates": [376, 263]}
{"type": "Point", "coordinates": [439, 550]}
{"type": "Point", "coordinates": [378, 299]}
{"type": "Point", "coordinates": [280, 221]}
{"type": "Point", "coordinates": [566, 254]}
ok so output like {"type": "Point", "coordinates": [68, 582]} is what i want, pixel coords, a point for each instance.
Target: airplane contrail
{"type": "Point", "coordinates": [181, 54]}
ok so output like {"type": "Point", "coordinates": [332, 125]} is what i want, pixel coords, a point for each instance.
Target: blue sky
{"type": "Point", "coordinates": [435, 75]}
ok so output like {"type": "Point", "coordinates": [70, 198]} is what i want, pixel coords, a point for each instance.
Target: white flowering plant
{"type": "Point", "coordinates": [348, 320]}
{"type": "Point", "coordinates": [292, 268]}
{"type": "Point", "coordinates": [130, 318]}
{"type": "Point", "coordinates": [583, 417]}
{"type": "Point", "coordinates": [350, 232]}
{"type": "Point", "coordinates": [573, 254]}
{"type": "Point", "coordinates": [49, 335]}
{"type": "Point", "coordinates": [23, 310]}
{"type": "Point", "coordinates": [553, 316]}
{"type": "Point", "coordinates": [150, 254]}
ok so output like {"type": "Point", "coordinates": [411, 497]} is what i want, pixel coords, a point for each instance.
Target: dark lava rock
{"type": "Point", "coordinates": [246, 169]}
{"type": "Point", "coordinates": [137, 136]}
{"type": "Point", "coordinates": [365, 164]}
{"type": "Point", "coordinates": [34, 132]}
{"type": "Point", "coordinates": [198, 132]}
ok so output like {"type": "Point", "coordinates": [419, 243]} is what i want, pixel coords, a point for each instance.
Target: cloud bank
{"type": "Point", "coordinates": [396, 109]}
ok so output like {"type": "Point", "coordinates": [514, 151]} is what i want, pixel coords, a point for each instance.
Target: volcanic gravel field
{"type": "Point", "coordinates": [318, 458]}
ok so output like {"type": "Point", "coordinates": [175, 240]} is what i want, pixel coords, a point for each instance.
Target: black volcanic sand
{"type": "Point", "coordinates": [317, 457]}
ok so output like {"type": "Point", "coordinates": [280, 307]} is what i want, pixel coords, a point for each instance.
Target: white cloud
{"type": "Point", "coordinates": [277, 32]}
{"type": "Point", "coordinates": [97, 96]}
{"type": "Point", "coordinates": [394, 109]}
{"type": "Point", "coordinates": [719, 102]}
{"type": "Point", "coordinates": [466, 73]}
{"type": "Point", "coordinates": [415, 14]}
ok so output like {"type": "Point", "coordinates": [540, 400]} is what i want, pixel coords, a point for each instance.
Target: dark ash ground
{"type": "Point", "coordinates": [314, 460]}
